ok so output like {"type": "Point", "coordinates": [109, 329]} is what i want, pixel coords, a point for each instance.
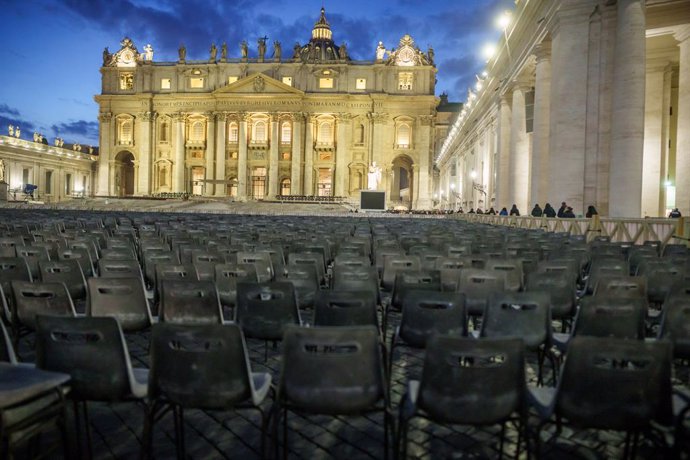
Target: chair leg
{"type": "Point", "coordinates": [87, 426]}
{"type": "Point", "coordinates": [285, 434]}
{"type": "Point", "coordinates": [502, 439]}
{"type": "Point", "coordinates": [77, 427]}
{"type": "Point", "coordinates": [178, 418]}
{"type": "Point", "coordinates": [386, 427]}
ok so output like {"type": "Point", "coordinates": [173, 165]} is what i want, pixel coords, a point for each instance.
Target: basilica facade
{"type": "Point", "coordinates": [584, 101]}
{"type": "Point", "coordinates": [308, 122]}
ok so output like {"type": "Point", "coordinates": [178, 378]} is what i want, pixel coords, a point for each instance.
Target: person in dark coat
{"type": "Point", "coordinates": [514, 210]}
{"type": "Point", "coordinates": [568, 213]}
{"type": "Point", "coordinates": [591, 211]}
{"type": "Point", "coordinates": [504, 212]}
{"type": "Point", "coordinates": [549, 211]}
{"type": "Point", "coordinates": [562, 209]}
{"type": "Point", "coordinates": [491, 211]}
{"type": "Point", "coordinates": [471, 211]}
{"type": "Point", "coordinates": [537, 211]}
{"type": "Point", "coordinates": [675, 213]}
{"type": "Point", "coordinates": [479, 211]}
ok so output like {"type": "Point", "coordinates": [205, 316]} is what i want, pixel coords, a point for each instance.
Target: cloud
{"type": "Point", "coordinates": [7, 110]}
{"type": "Point", "coordinates": [81, 129]}
{"type": "Point", "coordinates": [11, 116]}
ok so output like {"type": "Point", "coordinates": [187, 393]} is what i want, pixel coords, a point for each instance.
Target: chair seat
{"type": "Point", "coordinates": [543, 400]}
{"type": "Point", "coordinates": [262, 385]}
{"type": "Point", "coordinates": [560, 341]}
{"type": "Point", "coordinates": [21, 383]}
{"type": "Point", "coordinates": [140, 383]}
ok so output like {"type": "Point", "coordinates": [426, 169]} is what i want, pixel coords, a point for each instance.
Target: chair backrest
{"type": "Point", "coordinates": [393, 264]}
{"type": "Point", "coordinates": [68, 271]}
{"type": "Point", "coordinates": [425, 313]}
{"type": "Point", "coordinates": [613, 317]}
{"type": "Point", "coordinates": [6, 351]}
{"type": "Point", "coordinates": [472, 381]}
{"type": "Point", "coordinates": [91, 350]}
{"type": "Point", "coordinates": [81, 255]}
{"type": "Point", "coordinates": [345, 308]}
{"type": "Point", "coordinates": [205, 262]}
{"type": "Point", "coordinates": [332, 370]}
{"type": "Point", "coordinates": [119, 268]}
{"type": "Point", "coordinates": [356, 279]}
{"type": "Point", "coordinates": [263, 309]}
{"type": "Point", "coordinates": [314, 259]}
{"type": "Point", "coordinates": [525, 315]}
{"type": "Point", "coordinates": [121, 298]}
{"type": "Point", "coordinates": [40, 298]}
{"type": "Point", "coordinates": [621, 286]}
{"type": "Point", "coordinates": [190, 302]}
{"type": "Point", "coordinates": [405, 281]}
{"type": "Point", "coordinates": [615, 384]}
{"type": "Point", "coordinates": [304, 279]}
{"type": "Point", "coordinates": [199, 366]}
{"type": "Point", "coordinates": [561, 289]}
{"type": "Point", "coordinates": [478, 284]}
{"type": "Point", "coordinates": [512, 269]}
{"type": "Point", "coordinates": [675, 325]}
{"type": "Point", "coordinates": [153, 258]}
{"type": "Point", "coordinates": [33, 255]}
{"type": "Point", "coordinates": [228, 275]}
{"type": "Point", "coordinates": [9, 245]}
{"type": "Point", "coordinates": [13, 268]}
{"type": "Point", "coordinates": [261, 260]}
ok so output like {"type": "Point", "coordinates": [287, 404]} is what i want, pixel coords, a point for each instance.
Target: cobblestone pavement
{"type": "Point", "coordinates": [117, 427]}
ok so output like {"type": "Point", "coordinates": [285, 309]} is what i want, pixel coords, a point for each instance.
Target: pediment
{"type": "Point", "coordinates": [258, 83]}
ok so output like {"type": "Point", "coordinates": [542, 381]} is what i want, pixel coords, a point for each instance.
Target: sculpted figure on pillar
{"type": "Point", "coordinates": [213, 52]}
{"type": "Point", "coordinates": [295, 50]}
{"type": "Point", "coordinates": [262, 48]}
{"type": "Point", "coordinates": [224, 52]}
{"type": "Point", "coordinates": [277, 51]}
{"type": "Point", "coordinates": [374, 176]}
{"type": "Point", "coordinates": [244, 49]}
{"type": "Point", "coordinates": [380, 52]}
{"type": "Point", "coordinates": [2, 171]}
{"type": "Point", "coordinates": [182, 53]}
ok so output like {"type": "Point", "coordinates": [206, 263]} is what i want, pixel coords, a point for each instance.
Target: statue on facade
{"type": "Point", "coordinates": [244, 49]}
{"type": "Point", "coordinates": [35, 136]}
{"type": "Point", "coordinates": [380, 52]}
{"type": "Point", "coordinates": [430, 54]}
{"type": "Point", "coordinates": [148, 53]}
{"type": "Point", "coordinates": [224, 52]}
{"type": "Point", "coordinates": [17, 132]}
{"type": "Point", "coordinates": [374, 176]}
{"type": "Point", "coordinates": [182, 52]}
{"type": "Point", "coordinates": [262, 48]}
{"type": "Point", "coordinates": [343, 51]}
{"type": "Point", "coordinates": [295, 50]}
{"type": "Point", "coordinates": [2, 171]}
{"type": "Point", "coordinates": [11, 130]}
{"type": "Point", "coordinates": [277, 51]}
{"type": "Point", "coordinates": [106, 56]}
{"type": "Point", "coordinates": [213, 52]}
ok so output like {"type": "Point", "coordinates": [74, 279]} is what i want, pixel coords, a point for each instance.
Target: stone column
{"type": "Point", "coordinates": [342, 175]}
{"type": "Point", "coordinates": [519, 150]}
{"type": "Point", "coordinates": [309, 157]}
{"type": "Point", "coordinates": [179, 149]}
{"type": "Point", "coordinates": [540, 136]}
{"type": "Point", "coordinates": [627, 115]}
{"type": "Point", "coordinates": [296, 160]}
{"type": "Point", "coordinates": [221, 130]}
{"type": "Point", "coordinates": [378, 137]}
{"type": "Point", "coordinates": [682, 179]}
{"type": "Point", "coordinates": [654, 140]}
{"type": "Point", "coordinates": [104, 154]}
{"type": "Point", "coordinates": [145, 152]}
{"type": "Point", "coordinates": [423, 182]}
{"type": "Point", "coordinates": [273, 158]}
{"type": "Point", "coordinates": [210, 154]}
{"type": "Point", "coordinates": [242, 159]}
{"type": "Point", "coordinates": [568, 131]}
{"type": "Point", "coordinates": [415, 189]}
{"type": "Point", "coordinates": [504, 125]}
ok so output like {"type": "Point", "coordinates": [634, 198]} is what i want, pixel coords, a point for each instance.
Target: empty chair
{"type": "Point", "coordinates": [94, 353]}
{"type": "Point", "coordinates": [119, 268]}
{"type": "Point", "coordinates": [13, 268]}
{"type": "Point", "coordinates": [190, 302]}
{"type": "Point", "coordinates": [621, 286]}
{"type": "Point", "coordinates": [616, 267]}
{"type": "Point", "coordinates": [477, 285]}
{"type": "Point", "coordinates": [331, 371]}
{"type": "Point", "coordinates": [407, 280]}
{"type": "Point", "coordinates": [262, 262]}
{"type": "Point", "coordinates": [66, 271]}
{"type": "Point", "coordinates": [394, 264]}
{"type": "Point", "coordinates": [264, 309]}
{"type": "Point", "coordinates": [609, 384]}
{"type": "Point", "coordinates": [304, 278]}
{"type": "Point", "coordinates": [350, 261]}
{"type": "Point", "coordinates": [201, 367]}
{"type": "Point", "coordinates": [118, 253]}
{"type": "Point", "coordinates": [661, 276]}
{"type": "Point", "coordinates": [561, 289]}
{"type": "Point", "coordinates": [675, 325]}
{"type": "Point", "coordinates": [82, 257]}
{"type": "Point", "coordinates": [450, 269]}
{"type": "Point", "coordinates": [227, 276]}
{"type": "Point", "coordinates": [512, 269]}
{"type": "Point", "coordinates": [205, 263]}
{"type": "Point", "coordinates": [153, 258]}
{"type": "Point", "coordinates": [33, 255]}
{"type": "Point", "coordinates": [172, 272]}
{"type": "Point", "coordinates": [120, 298]}
{"type": "Point", "coordinates": [468, 382]}
{"type": "Point", "coordinates": [314, 259]}
{"type": "Point", "coordinates": [345, 308]}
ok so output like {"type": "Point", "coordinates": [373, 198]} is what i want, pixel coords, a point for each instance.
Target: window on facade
{"type": "Point", "coordinates": [287, 81]}
{"type": "Point", "coordinates": [258, 183]}
{"type": "Point", "coordinates": [127, 80]}
{"type": "Point", "coordinates": [359, 134]}
{"type": "Point", "coordinates": [324, 184]}
{"type": "Point", "coordinates": [68, 184]}
{"type": "Point", "coordinates": [259, 131]}
{"type": "Point", "coordinates": [198, 154]}
{"type": "Point", "coordinates": [325, 133]}
{"type": "Point", "coordinates": [232, 79]}
{"type": "Point", "coordinates": [26, 176]}
{"type": "Point", "coordinates": [197, 132]}
{"type": "Point", "coordinates": [326, 83]}
{"type": "Point", "coordinates": [285, 132]}
{"type": "Point", "coordinates": [166, 83]}
{"type": "Point", "coordinates": [196, 82]}
{"type": "Point", "coordinates": [164, 133]}
{"type": "Point", "coordinates": [405, 80]}
{"type": "Point", "coordinates": [49, 183]}
{"type": "Point", "coordinates": [285, 187]}
{"type": "Point", "coordinates": [232, 187]}
{"type": "Point", "coordinates": [529, 111]}
{"type": "Point", "coordinates": [403, 140]}
{"type": "Point", "coordinates": [125, 132]}
{"type": "Point", "coordinates": [361, 83]}
{"type": "Point", "coordinates": [163, 177]}
{"type": "Point", "coordinates": [233, 133]}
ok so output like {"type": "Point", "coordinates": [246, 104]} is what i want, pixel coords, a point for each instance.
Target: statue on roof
{"type": "Point", "coordinates": [343, 51]}
{"type": "Point", "coordinates": [430, 54]}
{"type": "Point", "coordinates": [182, 52]}
{"type": "Point", "coordinates": [106, 57]}
{"type": "Point", "coordinates": [380, 52]}
{"type": "Point", "coordinates": [11, 130]}
{"type": "Point", "coordinates": [295, 50]}
{"type": "Point", "coordinates": [2, 171]}
{"type": "Point", "coordinates": [277, 51]}
{"type": "Point", "coordinates": [261, 42]}
{"type": "Point", "coordinates": [224, 52]}
{"type": "Point", "coordinates": [244, 49]}
{"type": "Point", "coordinates": [148, 52]}
{"type": "Point", "coordinates": [213, 53]}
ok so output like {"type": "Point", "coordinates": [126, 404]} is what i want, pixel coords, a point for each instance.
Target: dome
{"type": "Point", "coordinates": [321, 46]}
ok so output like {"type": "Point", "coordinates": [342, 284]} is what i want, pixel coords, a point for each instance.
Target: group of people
{"type": "Point", "coordinates": [564, 211]}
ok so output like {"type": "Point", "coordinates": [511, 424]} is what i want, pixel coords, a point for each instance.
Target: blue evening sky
{"type": "Point", "coordinates": [52, 49]}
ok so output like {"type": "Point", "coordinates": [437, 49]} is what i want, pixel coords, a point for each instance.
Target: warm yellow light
{"type": "Point", "coordinates": [488, 51]}
{"type": "Point", "coordinates": [473, 174]}
{"type": "Point", "coordinates": [503, 21]}
{"type": "Point", "coordinates": [478, 86]}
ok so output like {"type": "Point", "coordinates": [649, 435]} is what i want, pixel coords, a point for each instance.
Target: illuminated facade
{"type": "Point", "coordinates": [253, 127]}
{"type": "Point", "coordinates": [585, 101]}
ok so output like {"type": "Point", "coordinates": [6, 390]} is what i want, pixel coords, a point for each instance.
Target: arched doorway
{"type": "Point", "coordinates": [124, 174]}
{"type": "Point", "coordinates": [402, 188]}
